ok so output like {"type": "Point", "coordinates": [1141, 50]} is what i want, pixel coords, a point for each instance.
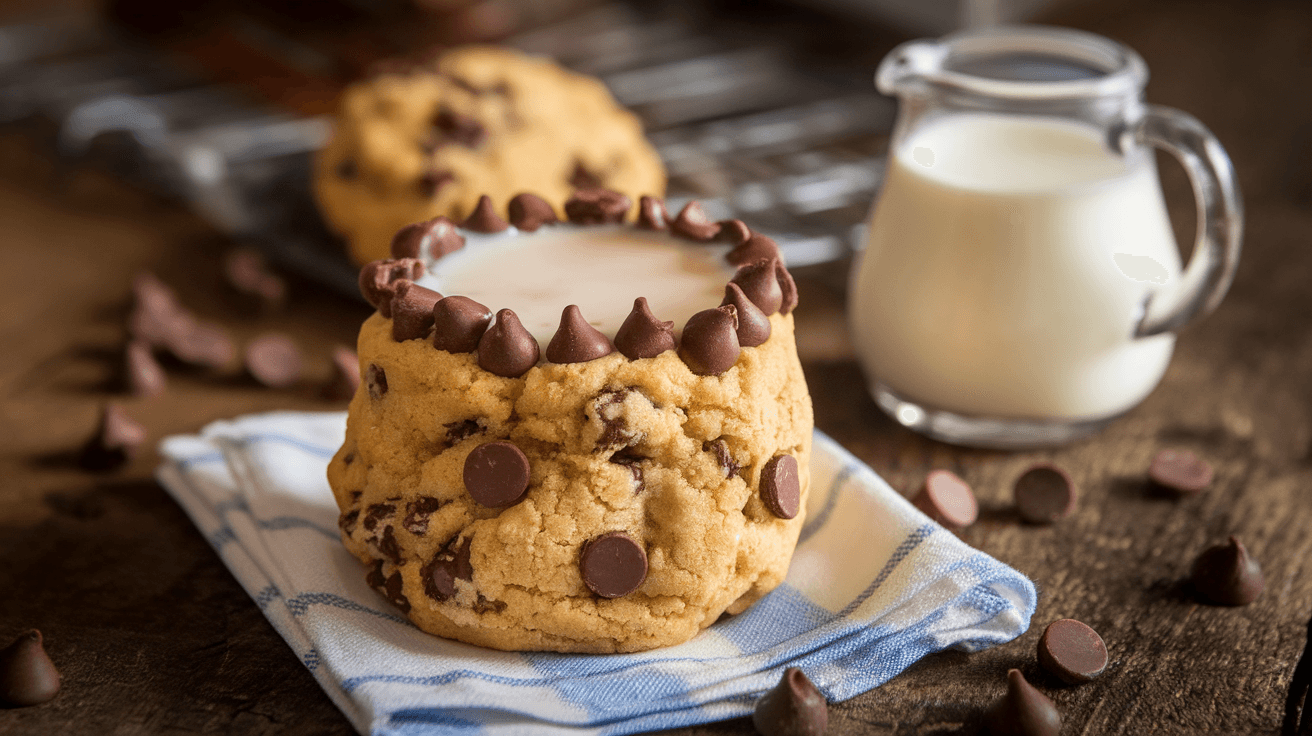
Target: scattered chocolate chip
{"type": "Point", "coordinates": [412, 311]}
{"type": "Point", "coordinates": [597, 207]}
{"type": "Point", "coordinates": [506, 348]}
{"type": "Point", "coordinates": [347, 521]}
{"type": "Point", "coordinates": [576, 341]}
{"type": "Point", "coordinates": [1044, 494]}
{"type": "Point", "coordinates": [651, 213]}
{"type": "Point", "coordinates": [484, 218]}
{"type": "Point", "coordinates": [248, 274]}
{"type": "Point", "coordinates": [613, 565]}
{"type": "Point", "coordinates": [459, 323]}
{"type": "Point", "coordinates": [143, 374]}
{"type": "Point", "coordinates": [115, 442]}
{"type": "Point", "coordinates": [376, 379]}
{"type": "Point", "coordinates": [582, 178]}
{"type": "Point", "coordinates": [710, 341]}
{"type": "Point", "coordinates": [159, 325]}
{"type": "Point", "coordinates": [642, 335]}
{"type": "Point", "coordinates": [496, 474]}
{"type": "Point", "coordinates": [345, 378]}
{"type": "Point", "coordinates": [392, 589]}
{"type": "Point", "coordinates": [733, 232]}
{"type": "Point", "coordinates": [206, 344]}
{"type": "Point", "coordinates": [756, 248]}
{"type": "Point", "coordinates": [692, 223]}
{"type": "Point", "coordinates": [436, 237]}
{"type": "Point", "coordinates": [753, 325]}
{"type": "Point", "coordinates": [1023, 711]}
{"type": "Point", "coordinates": [781, 486]}
{"type": "Point", "coordinates": [1180, 471]}
{"type": "Point", "coordinates": [608, 407]}
{"type": "Point", "coordinates": [728, 465]}
{"type": "Point", "coordinates": [378, 279]}
{"type": "Point", "coordinates": [760, 283]}
{"type": "Point", "coordinates": [528, 212]}
{"type": "Point", "coordinates": [27, 676]}
{"type": "Point", "coordinates": [149, 294]}
{"type": "Point", "coordinates": [347, 169]}
{"type": "Point", "coordinates": [431, 182]}
{"type": "Point", "coordinates": [947, 499]}
{"type": "Point", "coordinates": [1227, 574]}
{"type": "Point", "coordinates": [418, 512]}
{"type": "Point", "coordinates": [795, 707]}
{"type": "Point", "coordinates": [451, 564]}
{"type": "Point", "coordinates": [274, 360]}
{"type": "Point", "coordinates": [388, 546]}
{"type": "Point", "coordinates": [460, 128]}
{"type": "Point", "coordinates": [375, 514]}
{"type": "Point", "coordinates": [461, 430]}
{"type": "Point", "coordinates": [1072, 652]}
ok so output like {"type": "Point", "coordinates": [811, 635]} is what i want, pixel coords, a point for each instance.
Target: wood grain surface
{"type": "Point", "coordinates": [154, 636]}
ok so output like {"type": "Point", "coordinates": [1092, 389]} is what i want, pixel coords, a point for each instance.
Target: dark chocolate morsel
{"type": "Point", "coordinates": [345, 378]}
{"type": "Point", "coordinates": [418, 512]}
{"type": "Point", "coordinates": [248, 274]}
{"type": "Point", "coordinates": [1072, 652]}
{"type": "Point", "coordinates": [27, 676]}
{"type": "Point", "coordinates": [759, 282]}
{"type": "Point", "coordinates": [576, 341]}
{"type": "Point", "coordinates": [651, 213]}
{"type": "Point", "coordinates": [787, 287]}
{"type": "Point", "coordinates": [733, 232]}
{"type": "Point", "coordinates": [1023, 711]}
{"type": "Point", "coordinates": [642, 335]}
{"type": "Point", "coordinates": [1180, 471]}
{"type": "Point", "coordinates": [392, 589]}
{"type": "Point", "coordinates": [436, 237]}
{"type": "Point", "coordinates": [753, 325]}
{"type": "Point", "coordinates": [755, 248]}
{"type": "Point", "coordinates": [431, 182]}
{"type": "Point", "coordinates": [781, 486]}
{"type": "Point", "coordinates": [496, 474]}
{"type": "Point", "coordinates": [460, 128]}
{"type": "Point", "coordinates": [795, 707]}
{"type": "Point", "coordinates": [442, 572]}
{"type": "Point", "coordinates": [377, 280]}
{"type": "Point", "coordinates": [1044, 494]}
{"type": "Point", "coordinates": [376, 379]}
{"type": "Point", "coordinates": [709, 345]}
{"type": "Point", "coordinates": [728, 464]}
{"type": "Point", "coordinates": [597, 207]}
{"type": "Point", "coordinates": [115, 442]}
{"type": "Point", "coordinates": [613, 565]}
{"type": "Point", "coordinates": [484, 218]}
{"type": "Point", "coordinates": [412, 311]}
{"type": "Point", "coordinates": [507, 349]}
{"type": "Point", "coordinates": [1227, 574]}
{"type": "Point", "coordinates": [205, 344]}
{"type": "Point", "coordinates": [528, 212]}
{"type": "Point", "coordinates": [692, 223]}
{"type": "Point", "coordinates": [274, 360]}
{"type": "Point", "coordinates": [458, 324]}
{"type": "Point", "coordinates": [143, 374]}
{"type": "Point", "coordinates": [947, 499]}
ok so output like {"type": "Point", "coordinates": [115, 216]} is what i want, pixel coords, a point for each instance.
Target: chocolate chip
{"type": "Point", "coordinates": [642, 335]}
{"type": "Point", "coordinates": [576, 341]}
{"type": "Point", "coordinates": [1180, 471]}
{"type": "Point", "coordinates": [608, 407]}
{"type": "Point", "coordinates": [206, 344]}
{"type": "Point", "coordinates": [759, 282]}
{"type": "Point", "coordinates": [1044, 494]}
{"type": "Point", "coordinates": [787, 287]}
{"type": "Point", "coordinates": [947, 499]}
{"type": "Point", "coordinates": [692, 223]}
{"type": "Point", "coordinates": [461, 430]}
{"type": "Point", "coordinates": [460, 128]}
{"type": "Point", "coordinates": [431, 182]}
{"type": "Point", "coordinates": [582, 178]}
{"type": "Point", "coordinates": [347, 521]}
{"type": "Point", "coordinates": [347, 169]}
{"type": "Point", "coordinates": [1023, 711]}
{"type": "Point", "coordinates": [378, 279]}
{"type": "Point", "coordinates": [710, 341]}
{"type": "Point", "coordinates": [1227, 574]}
{"type": "Point", "coordinates": [376, 379]}
{"type": "Point", "coordinates": [115, 442]}
{"type": "Point", "coordinates": [1072, 652]}
{"type": "Point", "coordinates": [613, 565]}
{"type": "Point", "coordinates": [795, 707]}
{"type": "Point", "coordinates": [507, 349]}
{"type": "Point", "coordinates": [374, 578]}
{"type": "Point", "coordinates": [651, 213]}
{"type": "Point", "coordinates": [483, 605]}
{"type": "Point", "coordinates": [418, 512]}
{"type": "Point", "coordinates": [249, 275]}
{"type": "Point", "coordinates": [496, 474]}
{"type": "Point", "coordinates": [753, 325]}
{"type": "Point", "coordinates": [412, 311]}
{"type": "Point", "coordinates": [151, 295]}
{"type": "Point", "coordinates": [375, 514]}
{"type": "Point", "coordinates": [158, 321]}
{"type": "Point", "coordinates": [597, 207]}
{"type": "Point", "coordinates": [27, 676]}
{"type": "Point", "coordinates": [632, 463]}
{"type": "Point", "coordinates": [142, 373]}
{"type": "Point", "coordinates": [436, 237]}
{"type": "Point", "coordinates": [781, 486]}
{"type": "Point", "coordinates": [484, 218]}
{"type": "Point", "coordinates": [392, 589]}
{"type": "Point", "coordinates": [388, 546]}
{"type": "Point", "coordinates": [728, 465]}
{"type": "Point", "coordinates": [274, 360]}
{"type": "Point", "coordinates": [528, 212]}
{"type": "Point", "coordinates": [733, 232]}
{"type": "Point", "coordinates": [459, 323]}
{"type": "Point", "coordinates": [451, 564]}
{"type": "Point", "coordinates": [756, 248]}
{"type": "Point", "coordinates": [345, 378]}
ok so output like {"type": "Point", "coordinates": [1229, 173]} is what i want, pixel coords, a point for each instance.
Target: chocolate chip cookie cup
{"type": "Point", "coordinates": [538, 458]}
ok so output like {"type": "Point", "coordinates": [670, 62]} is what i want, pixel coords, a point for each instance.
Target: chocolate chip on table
{"type": "Point", "coordinates": [507, 349]}
{"type": "Point", "coordinates": [1044, 494]}
{"type": "Point", "coordinates": [142, 373]}
{"type": "Point", "coordinates": [576, 341]}
{"type": "Point", "coordinates": [755, 248]}
{"type": "Point", "coordinates": [378, 279]}
{"type": "Point", "coordinates": [274, 360]}
{"type": "Point", "coordinates": [248, 274]}
{"type": "Point", "coordinates": [345, 378]}
{"type": "Point", "coordinates": [412, 311]}
{"type": "Point", "coordinates": [27, 676]}
{"type": "Point", "coordinates": [1023, 711]}
{"type": "Point", "coordinates": [642, 335]}
{"type": "Point", "coordinates": [710, 341]}
{"type": "Point", "coordinates": [1072, 651]}
{"type": "Point", "coordinates": [781, 487]}
{"type": "Point", "coordinates": [436, 238]}
{"type": "Point", "coordinates": [206, 344]}
{"type": "Point", "coordinates": [484, 218]}
{"type": "Point", "coordinates": [459, 323]}
{"type": "Point", "coordinates": [760, 283]}
{"type": "Point", "coordinates": [528, 212]}
{"type": "Point", "coordinates": [496, 474]}
{"type": "Point", "coordinates": [753, 325]}
{"type": "Point", "coordinates": [376, 379]}
{"type": "Point", "coordinates": [1226, 574]}
{"type": "Point", "coordinates": [794, 707]}
{"type": "Point", "coordinates": [451, 564]}
{"type": "Point", "coordinates": [431, 182]}
{"type": "Point", "coordinates": [733, 232]}
{"type": "Point", "coordinates": [947, 499]}
{"type": "Point", "coordinates": [115, 442]}
{"type": "Point", "coordinates": [1180, 471]}
{"type": "Point", "coordinates": [597, 207]}
{"type": "Point", "coordinates": [692, 223]}
{"type": "Point", "coordinates": [613, 565]}
{"type": "Point", "coordinates": [651, 213]}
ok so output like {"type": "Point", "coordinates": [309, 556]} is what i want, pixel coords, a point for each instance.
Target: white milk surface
{"type": "Point", "coordinates": [602, 269]}
{"type": "Point", "coordinates": [1006, 263]}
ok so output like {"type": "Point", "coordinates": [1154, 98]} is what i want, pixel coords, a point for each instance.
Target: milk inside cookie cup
{"type": "Point", "coordinates": [591, 476]}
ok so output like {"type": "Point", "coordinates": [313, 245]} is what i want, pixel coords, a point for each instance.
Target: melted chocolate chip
{"type": "Point", "coordinates": [728, 465]}
{"type": "Point", "coordinates": [436, 237]}
{"type": "Point", "coordinates": [431, 182]}
{"type": "Point", "coordinates": [27, 676]}
{"type": "Point", "coordinates": [710, 341]}
{"type": "Point", "coordinates": [753, 325]}
{"type": "Point", "coordinates": [461, 430]}
{"type": "Point", "coordinates": [756, 248]}
{"type": "Point", "coordinates": [1072, 652]}
{"type": "Point", "coordinates": [375, 514]}
{"type": "Point", "coordinates": [576, 341]}
{"type": "Point", "coordinates": [635, 469]}
{"type": "Point", "coordinates": [733, 232]}
{"type": "Point", "coordinates": [377, 280]}
{"type": "Point", "coordinates": [274, 360]}
{"type": "Point", "coordinates": [142, 373]}
{"type": "Point", "coordinates": [1227, 574]}
{"type": "Point", "coordinates": [1180, 471]}
{"type": "Point", "coordinates": [115, 442]}
{"type": "Point", "coordinates": [392, 589]}
{"type": "Point", "coordinates": [484, 218]}
{"type": "Point", "coordinates": [795, 707]}
{"type": "Point", "coordinates": [947, 499]}
{"type": "Point", "coordinates": [1044, 494]}
{"type": "Point", "coordinates": [412, 311]}
{"type": "Point", "coordinates": [597, 207]}
{"type": "Point", "coordinates": [345, 378]}
{"type": "Point", "coordinates": [459, 323]}
{"type": "Point", "coordinates": [347, 521]}
{"type": "Point", "coordinates": [376, 379]}
{"type": "Point", "coordinates": [528, 212]}
{"type": "Point", "coordinates": [1023, 711]}
{"type": "Point", "coordinates": [507, 349]}
{"type": "Point", "coordinates": [781, 486]}
{"type": "Point", "coordinates": [459, 128]}
{"type": "Point", "coordinates": [451, 564]}
{"type": "Point", "coordinates": [418, 512]}
{"type": "Point", "coordinates": [609, 409]}
{"type": "Point", "coordinates": [483, 605]}
{"type": "Point", "coordinates": [374, 578]}
{"type": "Point", "coordinates": [613, 565]}
{"type": "Point", "coordinates": [651, 213]}
{"type": "Point", "coordinates": [760, 283]}
{"type": "Point", "coordinates": [388, 546]}
{"type": "Point", "coordinates": [642, 335]}
{"type": "Point", "coordinates": [496, 474]}
{"type": "Point", "coordinates": [582, 178]}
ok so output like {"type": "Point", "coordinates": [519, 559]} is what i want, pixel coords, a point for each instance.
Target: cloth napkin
{"type": "Point", "coordinates": [873, 587]}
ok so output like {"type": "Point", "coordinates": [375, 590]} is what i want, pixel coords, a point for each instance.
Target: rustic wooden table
{"type": "Point", "coordinates": [153, 635]}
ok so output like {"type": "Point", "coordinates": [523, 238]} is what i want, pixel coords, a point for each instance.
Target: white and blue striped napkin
{"type": "Point", "coordinates": [873, 587]}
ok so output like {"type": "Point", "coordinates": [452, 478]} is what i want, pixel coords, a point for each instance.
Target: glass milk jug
{"type": "Point", "coordinates": [1020, 284]}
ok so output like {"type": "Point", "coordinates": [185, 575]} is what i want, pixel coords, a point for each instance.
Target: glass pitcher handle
{"type": "Point", "coordinates": [1211, 267]}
